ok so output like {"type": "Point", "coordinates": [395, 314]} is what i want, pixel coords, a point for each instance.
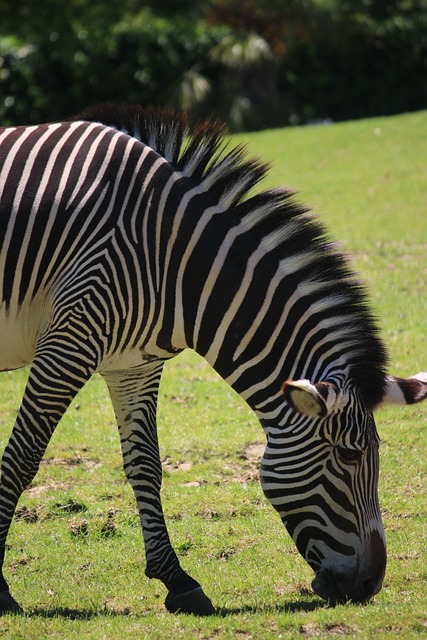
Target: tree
{"type": "Point", "coordinates": [248, 86]}
{"type": "Point", "coordinates": [252, 63]}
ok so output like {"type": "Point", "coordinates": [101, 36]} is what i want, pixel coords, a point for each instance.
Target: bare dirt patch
{"type": "Point", "coordinates": [74, 461]}
{"type": "Point", "coordinates": [241, 467]}
{"type": "Point", "coordinates": [26, 515]}
{"type": "Point", "coordinates": [111, 604]}
{"type": "Point", "coordinates": [79, 528]}
{"type": "Point", "coordinates": [247, 469]}
{"type": "Point", "coordinates": [171, 466]}
{"type": "Point", "coordinates": [108, 529]}
{"type": "Point", "coordinates": [254, 452]}
{"type": "Point", "coordinates": [313, 630]}
{"type": "Point", "coordinates": [40, 489]}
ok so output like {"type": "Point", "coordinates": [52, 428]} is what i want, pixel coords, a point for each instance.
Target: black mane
{"type": "Point", "coordinates": [230, 177]}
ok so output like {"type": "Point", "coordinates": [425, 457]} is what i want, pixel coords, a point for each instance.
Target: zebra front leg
{"type": "Point", "coordinates": [134, 396]}
{"type": "Point", "coordinates": [48, 393]}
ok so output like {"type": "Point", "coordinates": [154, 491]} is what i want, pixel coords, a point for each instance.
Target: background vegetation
{"type": "Point", "coordinates": [75, 553]}
{"type": "Point", "coordinates": [253, 63]}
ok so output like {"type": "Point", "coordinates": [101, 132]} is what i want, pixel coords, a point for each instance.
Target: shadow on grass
{"type": "Point", "coordinates": [223, 612]}
{"type": "Point", "coordinates": [77, 614]}
{"type": "Point", "coordinates": [289, 607]}
{"type": "Point", "coordinates": [293, 607]}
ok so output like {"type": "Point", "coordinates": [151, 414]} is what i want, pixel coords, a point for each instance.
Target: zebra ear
{"type": "Point", "coordinates": [405, 390]}
{"type": "Point", "coordinates": [314, 400]}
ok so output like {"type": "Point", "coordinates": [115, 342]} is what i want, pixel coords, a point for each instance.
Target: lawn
{"type": "Point", "coordinates": [75, 557]}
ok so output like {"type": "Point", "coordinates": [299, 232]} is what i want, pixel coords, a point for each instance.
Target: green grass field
{"type": "Point", "coordinates": [75, 557]}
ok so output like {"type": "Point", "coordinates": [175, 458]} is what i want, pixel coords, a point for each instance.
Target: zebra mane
{"type": "Point", "coordinates": [229, 176]}
{"type": "Point", "coordinates": [284, 226]}
{"type": "Point", "coordinates": [198, 154]}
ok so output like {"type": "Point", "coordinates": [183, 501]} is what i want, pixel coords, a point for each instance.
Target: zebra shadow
{"type": "Point", "coordinates": [77, 614]}
{"type": "Point", "coordinates": [288, 607]}
{"type": "Point", "coordinates": [223, 612]}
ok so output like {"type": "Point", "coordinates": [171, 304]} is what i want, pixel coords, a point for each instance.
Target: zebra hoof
{"type": "Point", "coordinates": [194, 601]}
{"type": "Point", "coordinates": [8, 604]}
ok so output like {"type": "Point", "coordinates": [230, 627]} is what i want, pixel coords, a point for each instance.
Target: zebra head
{"type": "Point", "coordinates": [320, 472]}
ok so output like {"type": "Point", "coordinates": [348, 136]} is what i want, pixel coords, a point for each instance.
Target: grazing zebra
{"type": "Point", "coordinates": [123, 241]}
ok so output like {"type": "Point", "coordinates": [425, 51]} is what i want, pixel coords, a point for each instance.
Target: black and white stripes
{"type": "Point", "coordinates": [124, 239]}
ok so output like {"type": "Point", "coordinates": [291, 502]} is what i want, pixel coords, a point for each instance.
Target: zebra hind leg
{"type": "Point", "coordinates": [134, 396]}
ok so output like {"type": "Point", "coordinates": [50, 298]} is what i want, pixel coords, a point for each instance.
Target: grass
{"type": "Point", "coordinates": [75, 554]}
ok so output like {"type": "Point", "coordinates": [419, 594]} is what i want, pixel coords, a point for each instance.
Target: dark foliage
{"type": "Point", "coordinates": [343, 60]}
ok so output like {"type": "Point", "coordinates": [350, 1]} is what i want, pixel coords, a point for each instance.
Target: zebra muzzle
{"type": "Point", "coordinates": [359, 585]}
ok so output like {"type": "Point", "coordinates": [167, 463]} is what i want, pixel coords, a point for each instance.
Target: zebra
{"type": "Point", "coordinates": [127, 237]}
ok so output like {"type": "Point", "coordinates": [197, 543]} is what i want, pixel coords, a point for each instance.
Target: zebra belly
{"type": "Point", "coordinates": [132, 358]}
{"type": "Point", "coordinates": [17, 341]}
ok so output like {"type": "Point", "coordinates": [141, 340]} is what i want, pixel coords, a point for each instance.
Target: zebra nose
{"type": "Point", "coordinates": [339, 588]}
{"type": "Point", "coordinates": [356, 586]}
{"type": "Point", "coordinates": [377, 560]}
{"type": "Point", "coordinates": [370, 588]}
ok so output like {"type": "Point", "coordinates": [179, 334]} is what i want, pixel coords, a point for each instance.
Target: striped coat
{"type": "Point", "coordinates": [122, 242]}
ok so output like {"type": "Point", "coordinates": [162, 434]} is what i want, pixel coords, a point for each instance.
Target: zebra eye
{"type": "Point", "coordinates": [349, 455]}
